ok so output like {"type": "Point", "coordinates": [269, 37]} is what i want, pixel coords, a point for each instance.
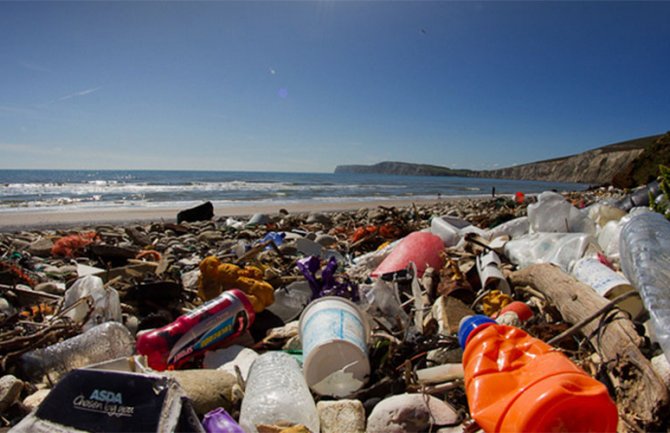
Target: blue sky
{"type": "Point", "coordinates": [305, 86]}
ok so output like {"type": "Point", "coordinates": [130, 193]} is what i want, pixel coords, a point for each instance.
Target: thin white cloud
{"type": "Point", "coordinates": [16, 110]}
{"type": "Point", "coordinates": [34, 67]}
{"type": "Point", "coordinates": [81, 93]}
{"type": "Point", "coordinates": [29, 149]}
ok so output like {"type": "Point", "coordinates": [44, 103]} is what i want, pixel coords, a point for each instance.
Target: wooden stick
{"type": "Point", "coordinates": [640, 391]}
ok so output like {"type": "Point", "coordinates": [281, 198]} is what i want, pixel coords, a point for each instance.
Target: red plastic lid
{"type": "Point", "coordinates": [521, 309]}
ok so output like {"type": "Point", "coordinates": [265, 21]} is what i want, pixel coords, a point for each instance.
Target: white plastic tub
{"type": "Point", "coordinates": [334, 335]}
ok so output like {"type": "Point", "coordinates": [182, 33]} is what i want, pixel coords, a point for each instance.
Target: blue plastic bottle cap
{"type": "Point", "coordinates": [468, 324]}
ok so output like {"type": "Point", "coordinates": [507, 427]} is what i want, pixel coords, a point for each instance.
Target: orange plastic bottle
{"type": "Point", "coordinates": [517, 383]}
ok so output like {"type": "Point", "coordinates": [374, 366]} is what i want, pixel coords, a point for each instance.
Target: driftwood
{"type": "Point", "coordinates": [641, 394]}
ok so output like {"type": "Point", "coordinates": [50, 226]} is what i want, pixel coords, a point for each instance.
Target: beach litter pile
{"type": "Point", "coordinates": [547, 313]}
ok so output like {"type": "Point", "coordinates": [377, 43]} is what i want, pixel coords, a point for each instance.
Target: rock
{"type": "Point", "coordinates": [259, 219]}
{"type": "Point", "coordinates": [226, 359]}
{"type": "Point", "coordinates": [662, 368]}
{"type": "Point", "coordinates": [448, 311]}
{"type": "Point", "coordinates": [201, 212]}
{"type": "Point", "coordinates": [132, 271]}
{"type": "Point", "coordinates": [190, 279]}
{"type": "Point", "coordinates": [326, 240]}
{"type": "Point", "coordinates": [319, 218]}
{"type": "Point", "coordinates": [445, 356]}
{"type": "Point", "coordinates": [341, 416]}
{"type": "Point", "coordinates": [140, 238]}
{"type": "Point", "coordinates": [410, 413]}
{"type": "Point", "coordinates": [211, 236]}
{"type": "Point", "coordinates": [51, 287]}
{"type": "Point", "coordinates": [308, 247]}
{"type": "Point", "coordinates": [41, 247]}
{"type": "Point", "coordinates": [208, 389]}
{"type": "Point", "coordinates": [113, 254]}
{"type": "Point", "coordinates": [20, 244]}
{"type": "Point", "coordinates": [6, 308]}
{"type": "Point", "coordinates": [10, 388]}
{"type": "Point", "coordinates": [36, 398]}
{"type": "Point", "coordinates": [285, 332]}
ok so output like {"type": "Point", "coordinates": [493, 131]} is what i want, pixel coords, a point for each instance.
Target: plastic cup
{"type": "Point", "coordinates": [334, 335]}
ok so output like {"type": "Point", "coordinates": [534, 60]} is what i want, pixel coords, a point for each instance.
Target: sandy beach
{"type": "Point", "coordinates": [16, 220]}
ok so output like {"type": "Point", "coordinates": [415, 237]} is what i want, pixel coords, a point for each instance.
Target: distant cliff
{"type": "Point", "coordinates": [402, 168]}
{"type": "Point", "coordinates": [619, 162]}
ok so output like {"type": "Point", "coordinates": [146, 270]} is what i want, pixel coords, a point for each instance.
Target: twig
{"type": "Point", "coordinates": [579, 325]}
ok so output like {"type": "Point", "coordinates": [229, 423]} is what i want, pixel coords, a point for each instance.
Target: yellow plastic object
{"type": "Point", "coordinates": [216, 277]}
{"type": "Point", "coordinates": [494, 302]}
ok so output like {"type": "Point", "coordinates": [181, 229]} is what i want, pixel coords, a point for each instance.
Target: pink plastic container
{"type": "Point", "coordinates": [422, 248]}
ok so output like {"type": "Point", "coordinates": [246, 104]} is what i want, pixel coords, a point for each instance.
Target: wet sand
{"type": "Point", "coordinates": [34, 218]}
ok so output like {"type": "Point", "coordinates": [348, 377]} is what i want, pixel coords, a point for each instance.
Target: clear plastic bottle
{"type": "Point", "coordinates": [276, 393]}
{"type": "Point", "coordinates": [645, 261]}
{"type": "Point", "coordinates": [104, 342]}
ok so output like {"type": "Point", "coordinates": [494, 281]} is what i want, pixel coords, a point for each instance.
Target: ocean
{"type": "Point", "coordinates": [100, 189]}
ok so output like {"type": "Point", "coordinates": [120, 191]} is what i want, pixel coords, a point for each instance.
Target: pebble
{"type": "Point", "coordinates": [51, 287]}
{"type": "Point", "coordinates": [319, 218]}
{"type": "Point", "coordinates": [36, 398]}
{"type": "Point", "coordinates": [661, 366]}
{"type": "Point", "coordinates": [41, 247]}
{"type": "Point", "coordinates": [211, 236]}
{"type": "Point", "coordinates": [410, 413]}
{"type": "Point", "coordinates": [208, 389]}
{"type": "Point", "coordinates": [10, 389]}
{"type": "Point", "coordinates": [229, 358]}
{"type": "Point", "coordinates": [6, 308]}
{"type": "Point", "coordinates": [341, 416]}
{"type": "Point", "coordinates": [183, 247]}
{"type": "Point", "coordinates": [326, 240]}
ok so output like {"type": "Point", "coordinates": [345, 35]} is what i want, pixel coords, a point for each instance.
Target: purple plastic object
{"type": "Point", "coordinates": [219, 421]}
{"type": "Point", "coordinates": [327, 285]}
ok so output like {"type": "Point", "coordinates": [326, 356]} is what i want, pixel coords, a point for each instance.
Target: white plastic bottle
{"type": "Point", "coordinates": [645, 260]}
{"type": "Point", "coordinates": [276, 393]}
{"type": "Point", "coordinates": [104, 342]}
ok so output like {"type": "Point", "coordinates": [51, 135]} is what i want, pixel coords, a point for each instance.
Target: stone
{"type": "Point", "coordinates": [140, 238]}
{"type": "Point", "coordinates": [326, 240]}
{"type": "Point", "coordinates": [208, 389]}
{"type": "Point", "coordinates": [448, 311]}
{"type": "Point", "coordinates": [51, 287]}
{"type": "Point", "coordinates": [230, 357]}
{"type": "Point", "coordinates": [190, 279]}
{"type": "Point", "coordinates": [36, 398]}
{"type": "Point", "coordinates": [259, 219]}
{"type": "Point", "coordinates": [410, 413]}
{"type": "Point", "coordinates": [201, 212]}
{"type": "Point", "coordinates": [661, 366]}
{"type": "Point", "coordinates": [20, 244]}
{"type": "Point", "coordinates": [319, 218]}
{"type": "Point", "coordinates": [41, 247]}
{"type": "Point", "coordinates": [341, 416]}
{"type": "Point", "coordinates": [6, 308]}
{"type": "Point", "coordinates": [117, 256]}
{"type": "Point", "coordinates": [10, 389]}
{"type": "Point", "coordinates": [211, 236]}
{"type": "Point", "coordinates": [444, 355]}
{"type": "Point", "coordinates": [308, 247]}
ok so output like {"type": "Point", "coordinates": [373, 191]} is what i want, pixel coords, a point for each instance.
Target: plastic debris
{"type": "Point", "coordinates": [407, 279]}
